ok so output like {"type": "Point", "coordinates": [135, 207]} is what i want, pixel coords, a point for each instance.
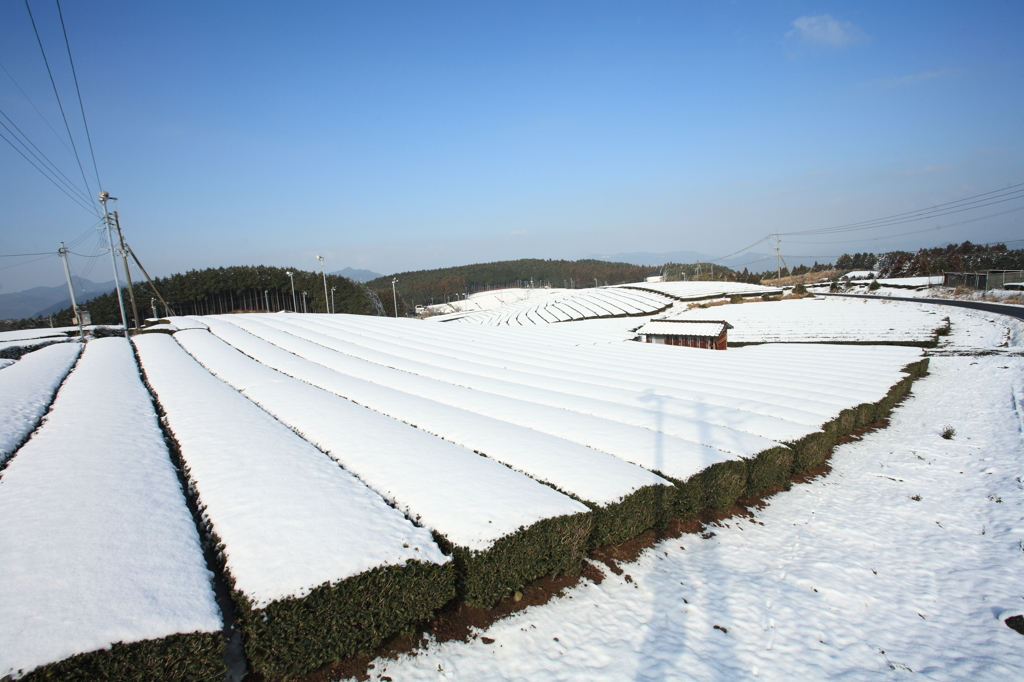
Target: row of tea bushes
{"type": "Point", "coordinates": [319, 566]}
{"type": "Point", "coordinates": [27, 389]}
{"type": "Point", "coordinates": [103, 572]}
{"type": "Point", "coordinates": [591, 476]}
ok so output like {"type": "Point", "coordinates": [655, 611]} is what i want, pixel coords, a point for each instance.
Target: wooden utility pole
{"type": "Point", "coordinates": [71, 290]}
{"type": "Point", "coordinates": [127, 273]}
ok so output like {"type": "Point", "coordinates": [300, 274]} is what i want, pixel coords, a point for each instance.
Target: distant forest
{"type": "Point", "coordinates": [260, 288]}
{"type": "Point", "coordinates": [255, 288]}
{"type": "Point", "coordinates": [423, 287]}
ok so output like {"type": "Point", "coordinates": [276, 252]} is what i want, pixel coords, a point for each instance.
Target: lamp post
{"type": "Point", "coordinates": [295, 303]}
{"type": "Point", "coordinates": [324, 273]}
{"type": "Point", "coordinates": [304, 301]}
{"type": "Point", "coordinates": [266, 299]}
{"type": "Point", "coordinates": [333, 309]}
{"type": "Point", "coordinates": [394, 294]}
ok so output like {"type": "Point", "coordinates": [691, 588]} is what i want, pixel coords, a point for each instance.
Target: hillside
{"type": "Point", "coordinates": [231, 289]}
{"type": "Point", "coordinates": [421, 286]}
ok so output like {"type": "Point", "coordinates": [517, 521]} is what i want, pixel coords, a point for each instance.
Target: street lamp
{"type": "Point", "coordinates": [295, 303]}
{"type": "Point", "coordinates": [333, 309]}
{"type": "Point", "coordinates": [324, 273]}
{"type": "Point", "coordinates": [394, 294]}
{"type": "Point", "coordinates": [304, 302]}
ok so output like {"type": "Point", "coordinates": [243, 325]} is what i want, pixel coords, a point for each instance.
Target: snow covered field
{"type": "Point", "coordinates": [578, 304]}
{"type": "Point", "coordinates": [691, 291]}
{"type": "Point", "coordinates": [903, 562]}
{"type": "Point", "coordinates": [266, 407]}
{"type": "Point", "coordinates": [825, 320]}
{"type": "Point", "coordinates": [96, 543]}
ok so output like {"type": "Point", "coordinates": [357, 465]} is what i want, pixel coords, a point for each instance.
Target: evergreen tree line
{"type": "Point", "coordinates": [423, 287]}
{"type": "Point", "coordinates": [244, 288]}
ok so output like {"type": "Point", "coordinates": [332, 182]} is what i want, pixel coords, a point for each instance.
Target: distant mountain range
{"type": "Point", "coordinates": [46, 300]}
{"type": "Point", "coordinates": [756, 262]}
{"type": "Point", "coordinates": [357, 275]}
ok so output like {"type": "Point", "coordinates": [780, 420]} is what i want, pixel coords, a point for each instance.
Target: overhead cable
{"type": "Point", "coordinates": [72, 197]}
{"type": "Point", "coordinates": [67, 127]}
{"type": "Point", "coordinates": [78, 90]}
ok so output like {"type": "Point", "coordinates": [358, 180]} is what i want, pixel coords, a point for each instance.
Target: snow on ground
{"type": "Point", "coordinates": [587, 473]}
{"type": "Point", "coordinates": [471, 500]}
{"type": "Point", "coordinates": [290, 518]}
{"type": "Point", "coordinates": [96, 544]}
{"type": "Point", "coordinates": [29, 334]}
{"type": "Point", "coordinates": [4, 362]}
{"type": "Point", "coordinates": [738, 380]}
{"type": "Point", "coordinates": [825, 319]}
{"type": "Point", "coordinates": [850, 576]}
{"type": "Point", "coordinates": [703, 290]}
{"type": "Point", "coordinates": [643, 447]}
{"type": "Point", "coordinates": [578, 304]}
{"type": "Point", "coordinates": [26, 391]}
{"type": "Point", "coordinates": [495, 298]}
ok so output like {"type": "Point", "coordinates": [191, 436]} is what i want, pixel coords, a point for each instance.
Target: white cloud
{"type": "Point", "coordinates": [825, 30]}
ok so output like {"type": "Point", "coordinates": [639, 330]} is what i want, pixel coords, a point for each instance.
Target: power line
{"type": "Point", "coordinates": [50, 165]}
{"type": "Point", "coordinates": [23, 255]}
{"type": "Point", "coordinates": [8, 267]}
{"type": "Point", "coordinates": [1006, 194]}
{"type": "Point", "coordinates": [80, 105]}
{"type": "Point", "coordinates": [73, 198]}
{"type": "Point", "coordinates": [33, 104]}
{"type": "Point", "coordinates": [57, 95]}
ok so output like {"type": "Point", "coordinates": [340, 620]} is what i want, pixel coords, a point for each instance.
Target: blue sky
{"type": "Point", "coordinates": [401, 135]}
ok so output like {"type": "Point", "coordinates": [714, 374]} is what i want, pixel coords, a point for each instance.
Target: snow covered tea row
{"type": "Point", "coordinates": [578, 305]}
{"type": "Point", "coordinates": [97, 544]}
{"type": "Point", "coordinates": [690, 291]}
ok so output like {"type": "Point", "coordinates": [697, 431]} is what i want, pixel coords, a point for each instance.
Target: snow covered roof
{"type": "Point", "coordinates": [712, 328]}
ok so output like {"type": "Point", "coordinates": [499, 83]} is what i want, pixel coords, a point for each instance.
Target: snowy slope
{"type": "Point", "coordinates": [97, 545]}
{"type": "Point", "coordinates": [290, 518]}
{"type": "Point", "coordinates": [471, 500]}
{"type": "Point", "coordinates": [578, 304]}
{"type": "Point", "coordinates": [587, 473]}
{"type": "Point", "coordinates": [26, 391]}
{"type": "Point", "coordinates": [702, 290]}
{"type": "Point", "coordinates": [825, 319]}
{"type": "Point", "coordinates": [848, 577]}
{"type": "Point", "coordinates": [805, 380]}
{"type": "Point", "coordinates": [646, 448]}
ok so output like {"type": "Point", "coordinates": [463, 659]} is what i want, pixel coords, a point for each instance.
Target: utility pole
{"type": "Point", "coordinates": [71, 290]}
{"type": "Point", "coordinates": [295, 303]}
{"type": "Point", "coordinates": [167, 308]}
{"type": "Point", "coordinates": [304, 302]}
{"type": "Point", "coordinates": [324, 273]}
{"type": "Point", "coordinates": [266, 299]}
{"type": "Point", "coordinates": [108, 223]}
{"type": "Point", "coordinates": [778, 259]}
{"type": "Point", "coordinates": [333, 309]}
{"type": "Point", "coordinates": [127, 273]}
{"type": "Point", "coordinates": [394, 293]}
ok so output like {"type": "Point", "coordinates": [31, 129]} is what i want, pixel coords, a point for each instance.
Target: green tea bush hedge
{"type": "Point", "coordinates": [355, 616]}
{"type": "Point", "coordinates": [193, 657]}
{"type": "Point", "coordinates": [547, 548]}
